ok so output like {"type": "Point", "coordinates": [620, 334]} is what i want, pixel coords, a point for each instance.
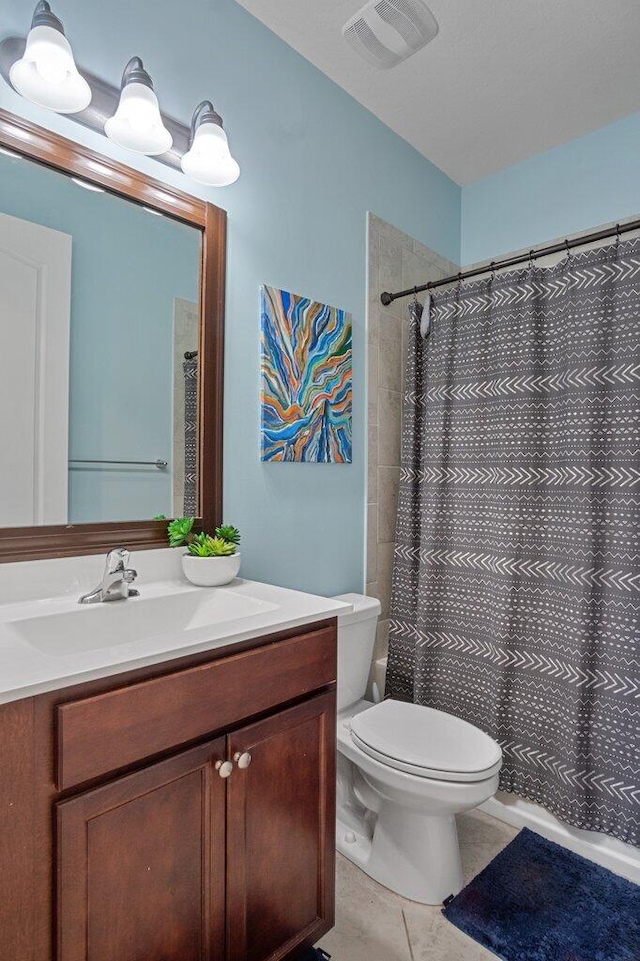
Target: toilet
{"type": "Point", "coordinates": [404, 772]}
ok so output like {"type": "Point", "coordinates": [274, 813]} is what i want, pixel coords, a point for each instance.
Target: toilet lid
{"type": "Point", "coordinates": [423, 741]}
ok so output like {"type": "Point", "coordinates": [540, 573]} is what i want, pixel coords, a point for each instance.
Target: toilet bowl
{"type": "Point", "coordinates": [404, 772]}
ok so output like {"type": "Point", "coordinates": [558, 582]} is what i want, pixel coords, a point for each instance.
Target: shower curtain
{"type": "Point", "coordinates": [190, 367]}
{"type": "Point", "coordinates": [516, 585]}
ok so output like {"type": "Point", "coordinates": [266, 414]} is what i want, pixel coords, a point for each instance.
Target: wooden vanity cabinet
{"type": "Point", "coordinates": [167, 859]}
{"type": "Point", "coordinates": [140, 864]}
{"type": "Point", "coordinates": [281, 832]}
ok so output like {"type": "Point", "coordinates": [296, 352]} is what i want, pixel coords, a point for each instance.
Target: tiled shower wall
{"type": "Point", "coordinates": [396, 262]}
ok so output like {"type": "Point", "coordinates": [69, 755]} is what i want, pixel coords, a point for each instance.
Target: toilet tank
{"type": "Point", "coordinates": [356, 638]}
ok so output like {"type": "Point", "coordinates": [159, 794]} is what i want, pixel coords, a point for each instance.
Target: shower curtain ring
{"type": "Point", "coordinates": [567, 248]}
{"type": "Point", "coordinates": [617, 236]}
{"type": "Point", "coordinates": [492, 267]}
{"type": "Point", "coordinates": [531, 253]}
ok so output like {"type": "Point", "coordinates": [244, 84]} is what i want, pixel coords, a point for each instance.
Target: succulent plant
{"type": "Point", "coordinates": [204, 545]}
{"type": "Point", "coordinates": [182, 534]}
{"type": "Point", "coordinates": [228, 533]}
{"type": "Point", "coordinates": [180, 531]}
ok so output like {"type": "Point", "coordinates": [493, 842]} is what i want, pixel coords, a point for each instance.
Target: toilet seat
{"type": "Point", "coordinates": [425, 742]}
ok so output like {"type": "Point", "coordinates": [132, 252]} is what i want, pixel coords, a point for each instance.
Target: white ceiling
{"type": "Point", "coordinates": [503, 80]}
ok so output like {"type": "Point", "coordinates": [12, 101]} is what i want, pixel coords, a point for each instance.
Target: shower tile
{"type": "Point", "coordinates": [389, 428]}
{"type": "Point", "coordinates": [372, 385]}
{"type": "Point", "coordinates": [372, 541]}
{"type": "Point", "coordinates": [403, 356]}
{"type": "Point", "coordinates": [372, 380]}
{"type": "Point", "coordinates": [373, 325]}
{"type": "Point", "coordinates": [385, 573]}
{"type": "Point", "coordinates": [375, 222]}
{"type": "Point", "coordinates": [391, 236]}
{"type": "Point", "coordinates": [372, 410]}
{"type": "Point", "coordinates": [388, 485]}
{"type": "Point", "coordinates": [373, 248]}
{"type": "Point", "coordinates": [371, 589]}
{"type": "Point", "coordinates": [382, 639]}
{"type": "Point", "coordinates": [415, 269]}
{"type": "Point", "coordinates": [390, 353]}
{"type": "Point", "coordinates": [372, 465]}
{"type": "Point", "coordinates": [421, 250]}
{"type": "Point", "coordinates": [390, 267]}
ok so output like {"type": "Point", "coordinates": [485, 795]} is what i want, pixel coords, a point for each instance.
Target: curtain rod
{"type": "Point", "coordinates": [556, 248]}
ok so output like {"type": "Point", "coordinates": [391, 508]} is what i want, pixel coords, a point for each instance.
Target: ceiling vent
{"type": "Point", "coordinates": [386, 32]}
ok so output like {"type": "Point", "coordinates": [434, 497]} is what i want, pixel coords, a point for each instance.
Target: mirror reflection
{"type": "Point", "coordinates": [99, 327]}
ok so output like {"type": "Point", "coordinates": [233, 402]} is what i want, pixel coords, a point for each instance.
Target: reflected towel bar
{"type": "Point", "coordinates": [160, 464]}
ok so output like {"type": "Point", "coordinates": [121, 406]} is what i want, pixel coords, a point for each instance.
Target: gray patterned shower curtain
{"type": "Point", "coordinates": [190, 367]}
{"type": "Point", "coordinates": [516, 581]}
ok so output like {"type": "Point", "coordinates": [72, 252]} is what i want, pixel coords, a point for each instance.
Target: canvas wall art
{"type": "Point", "coordinates": [306, 379]}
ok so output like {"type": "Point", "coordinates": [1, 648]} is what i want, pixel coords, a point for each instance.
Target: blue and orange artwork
{"type": "Point", "coordinates": [306, 389]}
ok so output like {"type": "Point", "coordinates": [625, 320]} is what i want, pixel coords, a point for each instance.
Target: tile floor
{"type": "Point", "coordinates": [373, 924]}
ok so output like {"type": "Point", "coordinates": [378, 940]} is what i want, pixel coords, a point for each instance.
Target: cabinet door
{"type": "Point", "coordinates": [281, 832]}
{"type": "Point", "coordinates": [141, 864]}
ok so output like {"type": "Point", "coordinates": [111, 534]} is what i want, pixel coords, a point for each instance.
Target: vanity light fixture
{"type": "Point", "coordinates": [42, 69]}
{"type": "Point", "coordinates": [208, 159]}
{"type": "Point", "coordinates": [46, 74]}
{"type": "Point", "coordinates": [137, 123]}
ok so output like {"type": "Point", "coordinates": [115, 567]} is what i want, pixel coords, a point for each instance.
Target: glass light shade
{"type": "Point", "coordinates": [209, 160]}
{"type": "Point", "coordinates": [47, 74]}
{"type": "Point", "coordinates": [137, 123]}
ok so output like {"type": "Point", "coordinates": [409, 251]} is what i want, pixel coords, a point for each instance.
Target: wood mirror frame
{"type": "Point", "coordinates": [64, 540]}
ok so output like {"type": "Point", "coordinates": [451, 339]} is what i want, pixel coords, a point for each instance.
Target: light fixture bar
{"type": "Point", "coordinates": [104, 103]}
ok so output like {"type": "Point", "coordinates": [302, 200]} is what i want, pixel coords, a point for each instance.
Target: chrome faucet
{"type": "Point", "coordinates": [115, 581]}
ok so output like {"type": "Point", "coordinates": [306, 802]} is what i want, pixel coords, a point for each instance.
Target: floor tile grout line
{"type": "Point", "coordinates": [406, 931]}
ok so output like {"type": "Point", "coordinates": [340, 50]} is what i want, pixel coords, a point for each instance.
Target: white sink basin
{"type": "Point", "coordinates": [48, 641]}
{"type": "Point", "coordinates": [98, 626]}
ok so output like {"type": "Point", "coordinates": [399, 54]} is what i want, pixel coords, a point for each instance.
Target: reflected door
{"type": "Point", "coordinates": [35, 285]}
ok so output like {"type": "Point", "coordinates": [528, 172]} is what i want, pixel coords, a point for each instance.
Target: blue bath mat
{"type": "Point", "coordinates": [536, 901]}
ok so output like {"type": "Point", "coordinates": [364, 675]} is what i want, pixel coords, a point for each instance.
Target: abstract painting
{"type": "Point", "coordinates": [306, 389]}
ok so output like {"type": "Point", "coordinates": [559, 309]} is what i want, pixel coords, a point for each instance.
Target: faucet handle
{"type": "Point", "coordinates": [117, 560]}
{"type": "Point", "coordinates": [129, 575]}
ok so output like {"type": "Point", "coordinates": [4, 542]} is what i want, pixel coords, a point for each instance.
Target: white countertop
{"type": "Point", "coordinates": [48, 641]}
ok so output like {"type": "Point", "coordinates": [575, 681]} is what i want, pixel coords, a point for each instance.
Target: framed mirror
{"type": "Point", "coordinates": [111, 351]}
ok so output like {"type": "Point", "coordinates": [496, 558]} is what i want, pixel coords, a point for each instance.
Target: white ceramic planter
{"type": "Point", "coordinates": [210, 571]}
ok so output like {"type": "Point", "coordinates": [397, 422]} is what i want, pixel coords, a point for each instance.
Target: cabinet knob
{"type": "Point", "coordinates": [242, 760]}
{"type": "Point", "coordinates": [224, 768]}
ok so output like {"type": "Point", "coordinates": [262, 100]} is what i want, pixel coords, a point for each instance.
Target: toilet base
{"type": "Point", "coordinates": [415, 855]}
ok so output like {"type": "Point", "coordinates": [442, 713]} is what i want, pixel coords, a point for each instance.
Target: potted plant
{"type": "Point", "coordinates": [210, 560]}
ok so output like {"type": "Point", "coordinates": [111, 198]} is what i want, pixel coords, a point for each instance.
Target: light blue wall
{"type": "Point", "coordinates": [579, 185]}
{"type": "Point", "coordinates": [313, 162]}
{"type": "Point", "coordinates": [128, 266]}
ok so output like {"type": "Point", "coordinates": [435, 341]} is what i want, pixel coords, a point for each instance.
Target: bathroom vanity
{"type": "Point", "coordinates": [167, 761]}
{"type": "Point", "coordinates": [182, 810]}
